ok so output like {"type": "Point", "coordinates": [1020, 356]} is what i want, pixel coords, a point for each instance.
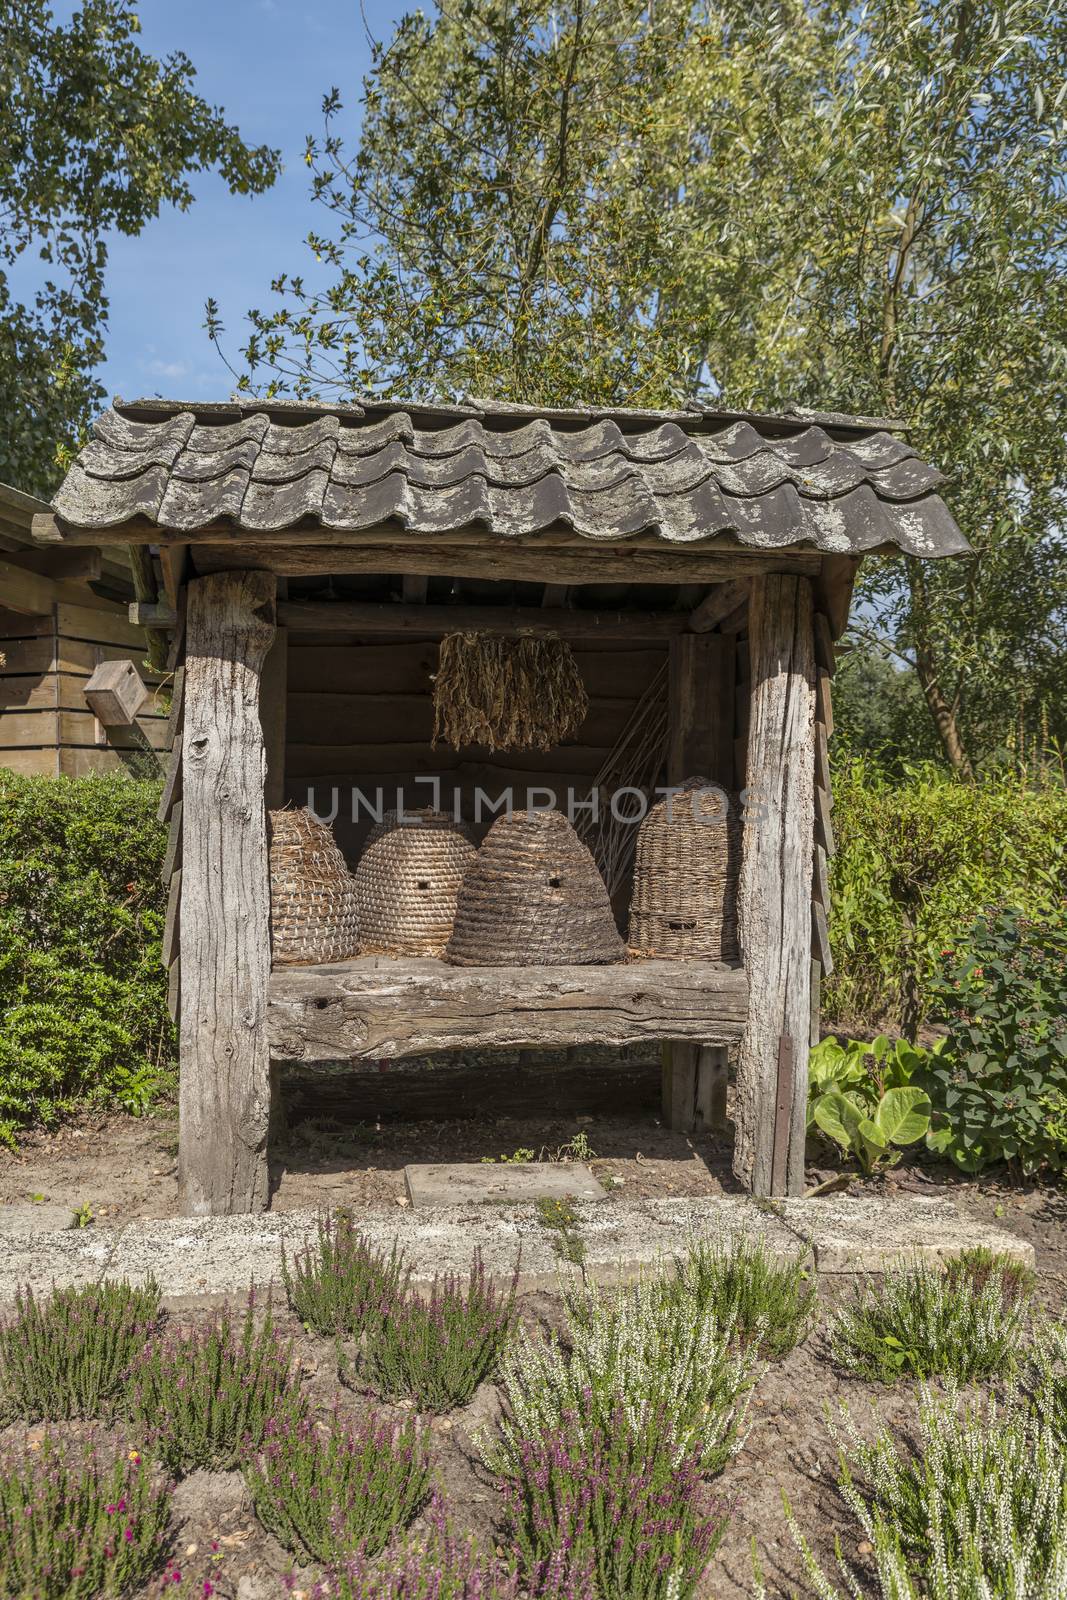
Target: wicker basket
{"type": "Point", "coordinates": [407, 881]}
{"type": "Point", "coordinates": [533, 897]}
{"type": "Point", "coordinates": [685, 876]}
{"type": "Point", "coordinates": [312, 897]}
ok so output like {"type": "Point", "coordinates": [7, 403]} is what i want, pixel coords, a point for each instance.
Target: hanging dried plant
{"type": "Point", "coordinates": [520, 692]}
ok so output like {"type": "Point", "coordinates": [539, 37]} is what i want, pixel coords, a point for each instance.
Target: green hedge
{"type": "Point", "coordinates": [918, 857]}
{"type": "Point", "coordinates": [83, 1015]}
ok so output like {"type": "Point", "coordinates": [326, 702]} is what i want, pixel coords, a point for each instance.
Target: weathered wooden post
{"type": "Point", "coordinates": [224, 1095]}
{"type": "Point", "coordinates": [774, 909]}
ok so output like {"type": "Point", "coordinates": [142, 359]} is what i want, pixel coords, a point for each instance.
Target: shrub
{"type": "Point", "coordinates": [437, 1351]}
{"type": "Point", "coordinates": [636, 1353]}
{"type": "Point", "coordinates": [449, 1568]}
{"type": "Point", "coordinates": [341, 1286]}
{"type": "Point", "coordinates": [1003, 995]}
{"type": "Point", "coordinates": [766, 1303]}
{"type": "Point", "coordinates": [1050, 1356]}
{"type": "Point", "coordinates": [72, 1528]}
{"type": "Point", "coordinates": [862, 1098]}
{"type": "Point", "coordinates": [922, 1324]}
{"type": "Point", "coordinates": [918, 857]}
{"type": "Point", "coordinates": [977, 1510]}
{"type": "Point", "coordinates": [629, 1500]}
{"type": "Point", "coordinates": [83, 1016]}
{"type": "Point", "coordinates": [971, 1270]}
{"type": "Point", "coordinates": [326, 1493]}
{"type": "Point", "coordinates": [66, 1356]}
{"type": "Point", "coordinates": [205, 1396]}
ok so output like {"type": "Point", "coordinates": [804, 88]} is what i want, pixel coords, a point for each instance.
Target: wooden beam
{"type": "Point", "coordinates": [506, 560]}
{"type": "Point", "coordinates": [555, 595]}
{"type": "Point", "coordinates": [80, 565]}
{"type": "Point", "coordinates": [224, 1091]}
{"type": "Point", "coordinates": [700, 700]}
{"type": "Point", "coordinates": [774, 902]}
{"type": "Point", "coordinates": [722, 600]}
{"type": "Point", "coordinates": [824, 643]}
{"type": "Point", "coordinates": [824, 708]}
{"type": "Point", "coordinates": [30, 592]}
{"type": "Point", "coordinates": [377, 1007]}
{"type": "Point", "coordinates": [343, 616]}
{"type": "Point", "coordinates": [156, 614]}
{"type": "Point", "coordinates": [414, 590]}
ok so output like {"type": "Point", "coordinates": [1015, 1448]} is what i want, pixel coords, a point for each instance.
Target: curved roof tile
{"type": "Point", "coordinates": [829, 482]}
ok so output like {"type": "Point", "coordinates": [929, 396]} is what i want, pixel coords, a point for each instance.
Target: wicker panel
{"type": "Point", "coordinates": [407, 881]}
{"type": "Point", "coordinates": [533, 897]}
{"type": "Point", "coordinates": [685, 876]}
{"type": "Point", "coordinates": [312, 896]}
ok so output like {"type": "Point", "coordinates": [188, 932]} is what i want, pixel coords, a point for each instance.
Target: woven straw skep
{"type": "Point", "coordinates": [686, 869]}
{"type": "Point", "coordinates": [312, 896]}
{"type": "Point", "coordinates": [407, 882]}
{"type": "Point", "coordinates": [507, 693]}
{"type": "Point", "coordinates": [533, 897]}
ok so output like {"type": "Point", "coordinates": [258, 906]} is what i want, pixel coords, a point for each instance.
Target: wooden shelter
{"type": "Point", "coordinates": [314, 555]}
{"type": "Point", "coordinates": [63, 618]}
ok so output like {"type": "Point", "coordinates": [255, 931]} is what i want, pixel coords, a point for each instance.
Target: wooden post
{"type": "Point", "coordinates": [774, 901]}
{"type": "Point", "coordinates": [701, 708]}
{"type": "Point", "coordinates": [694, 1086]}
{"type": "Point", "coordinates": [224, 1096]}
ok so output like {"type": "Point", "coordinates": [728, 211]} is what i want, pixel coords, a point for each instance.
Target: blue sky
{"type": "Point", "coordinates": [268, 63]}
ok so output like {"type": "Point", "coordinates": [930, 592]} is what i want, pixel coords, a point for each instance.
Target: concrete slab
{"type": "Point", "coordinates": [868, 1233]}
{"type": "Point", "coordinates": [26, 1221]}
{"type": "Point", "coordinates": [511, 1183]}
{"type": "Point", "coordinates": [202, 1259]}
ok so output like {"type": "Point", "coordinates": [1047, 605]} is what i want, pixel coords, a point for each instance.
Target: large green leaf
{"type": "Point", "coordinates": [903, 1115]}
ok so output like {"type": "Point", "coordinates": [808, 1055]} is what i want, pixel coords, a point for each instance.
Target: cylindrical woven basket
{"type": "Point", "coordinates": [533, 897]}
{"type": "Point", "coordinates": [312, 896]}
{"type": "Point", "coordinates": [686, 868]}
{"type": "Point", "coordinates": [407, 881]}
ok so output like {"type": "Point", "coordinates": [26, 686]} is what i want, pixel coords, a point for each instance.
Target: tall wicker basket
{"type": "Point", "coordinates": [685, 876]}
{"type": "Point", "coordinates": [407, 882]}
{"type": "Point", "coordinates": [533, 897]}
{"type": "Point", "coordinates": [312, 896]}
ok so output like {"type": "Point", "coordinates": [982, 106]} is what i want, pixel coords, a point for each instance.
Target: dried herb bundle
{"type": "Point", "coordinates": [521, 693]}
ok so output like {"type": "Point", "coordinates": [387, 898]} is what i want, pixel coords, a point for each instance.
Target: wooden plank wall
{"type": "Point", "coordinates": [360, 712]}
{"type": "Point", "coordinates": [46, 725]}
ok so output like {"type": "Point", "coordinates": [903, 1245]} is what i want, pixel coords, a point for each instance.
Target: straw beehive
{"type": "Point", "coordinates": [533, 897]}
{"type": "Point", "coordinates": [312, 896]}
{"type": "Point", "coordinates": [407, 881]}
{"type": "Point", "coordinates": [686, 867]}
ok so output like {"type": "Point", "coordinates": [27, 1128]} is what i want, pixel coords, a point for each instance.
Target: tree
{"type": "Point", "coordinates": [95, 135]}
{"type": "Point", "coordinates": [850, 208]}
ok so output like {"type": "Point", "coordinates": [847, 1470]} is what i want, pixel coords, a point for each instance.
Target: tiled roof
{"type": "Point", "coordinates": [831, 483]}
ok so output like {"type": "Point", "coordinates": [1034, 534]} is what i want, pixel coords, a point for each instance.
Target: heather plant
{"type": "Point", "coordinates": [635, 1353]}
{"type": "Point", "coordinates": [341, 1286]}
{"type": "Point", "coordinates": [327, 1493]}
{"type": "Point", "coordinates": [75, 1528]}
{"type": "Point", "coordinates": [204, 1396]}
{"type": "Point", "coordinates": [65, 1356]}
{"type": "Point", "coordinates": [437, 1350]}
{"type": "Point", "coordinates": [767, 1303]}
{"type": "Point", "coordinates": [445, 1567]}
{"type": "Point", "coordinates": [628, 1499]}
{"type": "Point", "coordinates": [974, 1268]}
{"type": "Point", "coordinates": [1050, 1360]}
{"type": "Point", "coordinates": [924, 1324]}
{"type": "Point", "coordinates": [976, 1509]}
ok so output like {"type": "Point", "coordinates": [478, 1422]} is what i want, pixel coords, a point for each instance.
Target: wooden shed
{"type": "Point", "coordinates": [315, 556]}
{"type": "Point", "coordinates": [64, 614]}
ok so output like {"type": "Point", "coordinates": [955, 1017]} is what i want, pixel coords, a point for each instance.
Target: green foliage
{"type": "Point", "coordinates": [95, 137]}
{"type": "Point", "coordinates": [1050, 1374]}
{"type": "Point", "coordinates": [974, 1509]}
{"type": "Point", "coordinates": [66, 1356]}
{"type": "Point", "coordinates": [861, 1097]}
{"type": "Point", "coordinates": [83, 1016]}
{"type": "Point", "coordinates": [639, 1351]}
{"type": "Point", "coordinates": [562, 1222]}
{"type": "Point", "coordinates": [328, 1492]}
{"type": "Point", "coordinates": [342, 1286]}
{"type": "Point", "coordinates": [768, 1304]}
{"type": "Point", "coordinates": [923, 1324]}
{"type": "Point", "coordinates": [972, 1269]}
{"type": "Point", "coordinates": [436, 1351]}
{"type": "Point", "coordinates": [1003, 995]}
{"type": "Point", "coordinates": [917, 859]}
{"type": "Point", "coordinates": [74, 1528]}
{"type": "Point", "coordinates": [204, 1397]}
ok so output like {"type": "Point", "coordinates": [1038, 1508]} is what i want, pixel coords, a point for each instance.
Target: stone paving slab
{"type": "Point", "coordinates": [456, 1183]}
{"type": "Point", "coordinates": [204, 1258]}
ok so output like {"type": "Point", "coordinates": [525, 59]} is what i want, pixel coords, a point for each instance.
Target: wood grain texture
{"type": "Point", "coordinates": [701, 708]}
{"type": "Point", "coordinates": [774, 906]}
{"type": "Point", "coordinates": [432, 621]}
{"type": "Point", "coordinates": [376, 1007]}
{"type": "Point", "coordinates": [224, 1093]}
{"type": "Point", "coordinates": [720, 603]}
